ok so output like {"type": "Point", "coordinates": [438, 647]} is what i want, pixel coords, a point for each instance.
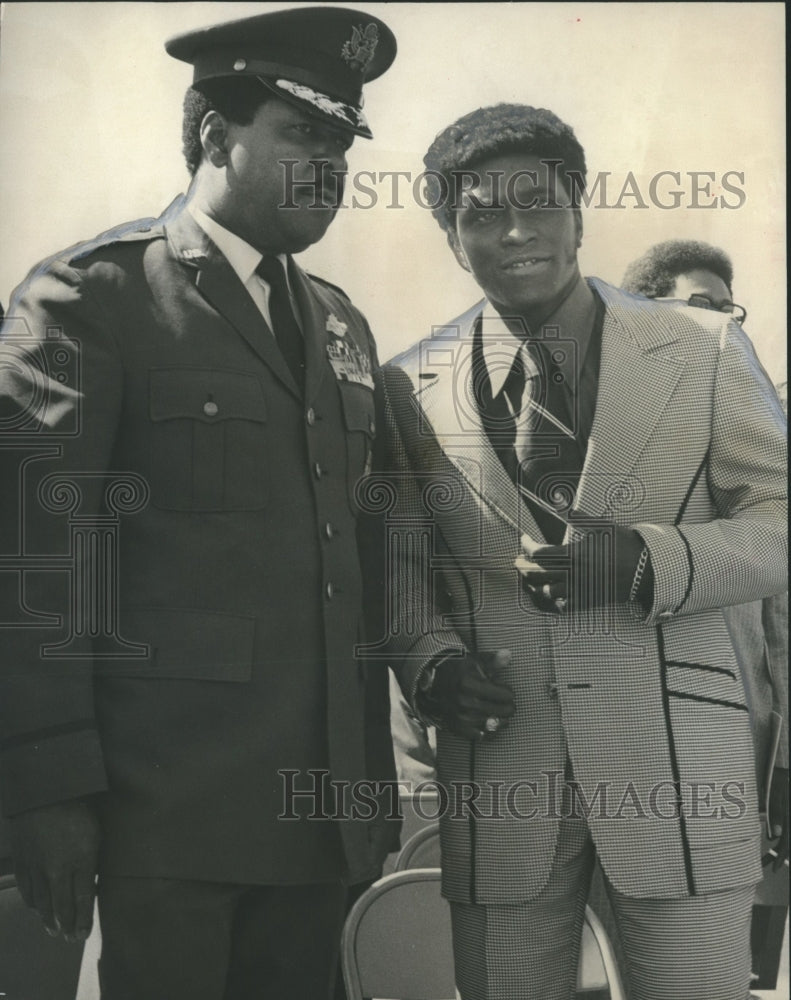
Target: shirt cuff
{"type": "Point", "coordinates": [671, 564]}
{"type": "Point", "coordinates": [428, 650]}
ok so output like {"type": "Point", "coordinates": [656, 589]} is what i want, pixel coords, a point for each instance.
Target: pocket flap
{"type": "Point", "coordinates": [206, 394]}
{"type": "Point", "coordinates": [358, 407]}
{"type": "Point", "coordinates": [186, 644]}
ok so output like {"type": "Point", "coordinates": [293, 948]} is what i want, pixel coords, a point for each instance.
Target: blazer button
{"type": "Point", "coordinates": [310, 416]}
{"type": "Point", "coordinates": [329, 590]}
{"type": "Point", "coordinates": [552, 689]}
{"type": "Point", "coordinates": [329, 530]}
{"type": "Point", "coordinates": [664, 615]}
{"type": "Point", "coordinates": [210, 408]}
{"type": "Point", "coordinates": [318, 472]}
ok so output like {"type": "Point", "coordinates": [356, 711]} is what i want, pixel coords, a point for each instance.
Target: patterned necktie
{"type": "Point", "coordinates": [547, 452]}
{"type": "Point", "coordinates": [499, 413]}
{"type": "Point", "coordinates": [284, 324]}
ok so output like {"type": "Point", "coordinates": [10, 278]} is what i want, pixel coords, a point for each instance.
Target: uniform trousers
{"type": "Point", "coordinates": [694, 948]}
{"type": "Point", "coordinates": [167, 939]}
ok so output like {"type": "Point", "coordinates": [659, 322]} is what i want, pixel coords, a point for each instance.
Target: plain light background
{"type": "Point", "coordinates": [90, 111]}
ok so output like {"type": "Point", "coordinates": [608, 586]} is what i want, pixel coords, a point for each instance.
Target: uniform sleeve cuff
{"type": "Point", "coordinates": [55, 769]}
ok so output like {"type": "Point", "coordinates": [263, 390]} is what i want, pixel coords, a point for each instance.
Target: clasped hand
{"type": "Point", "coordinates": [596, 569]}
{"type": "Point", "coordinates": [468, 698]}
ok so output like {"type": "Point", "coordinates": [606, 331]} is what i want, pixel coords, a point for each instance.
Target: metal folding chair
{"type": "Point", "coordinates": [598, 967]}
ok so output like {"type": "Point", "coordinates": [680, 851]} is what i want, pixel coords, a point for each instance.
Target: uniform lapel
{"type": "Point", "coordinates": [446, 401]}
{"type": "Point", "coordinates": [219, 284]}
{"type": "Point", "coordinates": [314, 323]}
{"type": "Point", "coordinates": [638, 373]}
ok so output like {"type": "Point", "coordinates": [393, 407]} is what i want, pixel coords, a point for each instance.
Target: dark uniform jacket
{"type": "Point", "coordinates": [182, 561]}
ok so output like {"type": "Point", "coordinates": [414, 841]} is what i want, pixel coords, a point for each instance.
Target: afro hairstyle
{"type": "Point", "coordinates": [654, 274]}
{"type": "Point", "coordinates": [492, 131]}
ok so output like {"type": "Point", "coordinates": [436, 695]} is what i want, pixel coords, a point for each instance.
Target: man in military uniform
{"type": "Point", "coordinates": [163, 697]}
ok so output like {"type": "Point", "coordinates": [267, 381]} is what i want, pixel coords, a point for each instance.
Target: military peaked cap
{"type": "Point", "coordinates": [317, 58]}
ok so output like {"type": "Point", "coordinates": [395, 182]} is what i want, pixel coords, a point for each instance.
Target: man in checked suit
{"type": "Point", "coordinates": [702, 275]}
{"type": "Point", "coordinates": [581, 480]}
{"type": "Point", "coordinates": [185, 370]}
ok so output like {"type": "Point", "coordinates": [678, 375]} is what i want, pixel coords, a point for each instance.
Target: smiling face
{"type": "Point", "coordinates": [284, 157]}
{"type": "Point", "coordinates": [522, 253]}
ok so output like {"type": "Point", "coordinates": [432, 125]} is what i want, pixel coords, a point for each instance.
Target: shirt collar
{"type": "Point", "coordinates": [574, 317]}
{"type": "Point", "coordinates": [242, 257]}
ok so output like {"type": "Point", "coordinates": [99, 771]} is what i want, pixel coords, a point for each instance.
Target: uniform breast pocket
{"type": "Point", "coordinates": [359, 417]}
{"type": "Point", "coordinates": [209, 440]}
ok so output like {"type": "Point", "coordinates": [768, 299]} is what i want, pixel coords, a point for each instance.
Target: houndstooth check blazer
{"type": "Point", "coordinates": [688, 446]}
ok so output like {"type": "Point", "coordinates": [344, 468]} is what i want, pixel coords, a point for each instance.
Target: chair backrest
{"type": "Point", "coordinates": [598, 967]}
{"type": "Point", "coordinates": [397, 940]}
{"type": "Point", "coordinates": [31, 963]}
{"type": "Point", "coordinates": [421, 850]}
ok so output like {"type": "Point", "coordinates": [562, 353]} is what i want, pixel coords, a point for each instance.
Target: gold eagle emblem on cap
{"type": "Point", "coordinates": [359, 50]}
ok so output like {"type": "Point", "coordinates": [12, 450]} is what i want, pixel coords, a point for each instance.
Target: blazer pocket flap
{"type": "Point", "coordinates": [704, 682]}
{"type": "Point", "coordinates": [358, 407]}
{"type": "Point", "coordinates": [205, 394]}
{"type": "Point", "coordinates": [185, 644]}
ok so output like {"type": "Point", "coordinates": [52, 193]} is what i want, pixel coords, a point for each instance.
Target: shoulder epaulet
{"type": "Point", "coordinates": [329, 284]}
{"type": "Point", "coordinates": [129, 232]}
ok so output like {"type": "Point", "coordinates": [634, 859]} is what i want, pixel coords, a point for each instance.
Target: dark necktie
{"type": "Point", "coordinates": [284, 324]}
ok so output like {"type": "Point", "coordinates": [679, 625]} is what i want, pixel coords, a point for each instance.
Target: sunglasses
{"type": "Point", "coordinates": [738, 312]}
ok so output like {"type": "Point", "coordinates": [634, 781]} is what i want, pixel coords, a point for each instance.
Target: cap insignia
{"type": "Point", "coordinates": [359, 50]}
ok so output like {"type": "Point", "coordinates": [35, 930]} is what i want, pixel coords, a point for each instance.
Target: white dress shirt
{"type": "Point", "coordinates": [244, 259]}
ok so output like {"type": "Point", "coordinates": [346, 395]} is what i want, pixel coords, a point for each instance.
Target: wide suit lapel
{"type": "Point", "coordinates": [638, 373]}
{"type": "Point", "coordinates": [634, 342]}
{"type": "Point", "coordinates": [446, 403]}
{"type": "Point", "coordinates": [219, 284]}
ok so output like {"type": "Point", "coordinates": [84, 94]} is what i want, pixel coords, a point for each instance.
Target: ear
{"type": "Point", "coordinates": [214, 138]}
{"type": "Point", "coordinates": [458, 252]}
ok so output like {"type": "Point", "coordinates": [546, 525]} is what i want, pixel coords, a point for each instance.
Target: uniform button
{"type": "Point", "coordinates": [329, 590]}
{"type": "Point", "coordinates": [318, 472]}
{"type": "Point", "coordinates": [552, 689]}
{"type": "Point", "coordinates": [310, 416]}
{"type": "Point", "coordinates": [664, 615]}
{"type": "Point", "coordinates": [210, 408]}
{"type": "Point", "coordinates": [329, 531]}
{"type": "Point", "coordinates": [372, 425]}
{"type": "Point", "coordinates": [239, 65]}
